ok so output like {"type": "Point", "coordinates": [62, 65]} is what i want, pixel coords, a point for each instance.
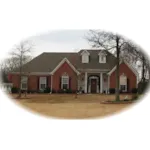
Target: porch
{"type": "Point", "coordinates": [93, 82]}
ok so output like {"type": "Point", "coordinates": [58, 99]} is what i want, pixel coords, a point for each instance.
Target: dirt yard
{"type": "Point", "coordinates": [66, 106]}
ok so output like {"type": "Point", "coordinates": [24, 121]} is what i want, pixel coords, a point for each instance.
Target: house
{"type": "Point", "coordinates": [92, 71]}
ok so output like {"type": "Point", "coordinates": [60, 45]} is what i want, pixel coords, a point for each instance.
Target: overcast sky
{"type": "Point", "coordinates": [60, 41]}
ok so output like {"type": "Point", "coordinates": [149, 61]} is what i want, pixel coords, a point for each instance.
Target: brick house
{"type": "Point", "coordinates": [92, 71]}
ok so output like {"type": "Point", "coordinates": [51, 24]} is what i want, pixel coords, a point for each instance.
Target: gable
{"type": "Point", "coordinates": [65, 61]}
{"type": "Point", "coordinates": [124, 64]}
{"type": "Point", "coordinates": [124, 69]}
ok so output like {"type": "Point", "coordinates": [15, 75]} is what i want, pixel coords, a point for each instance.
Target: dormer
{"type": "Point", "coordinates": [102, 56]}
{"type": "Point", "coordinates": [85, 56]}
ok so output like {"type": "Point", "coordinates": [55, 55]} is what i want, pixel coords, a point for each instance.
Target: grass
{"type": "Point", "coordinates": [66, 106]}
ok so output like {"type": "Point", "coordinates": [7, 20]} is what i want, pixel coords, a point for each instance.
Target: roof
{"type": "Point", "coordinates": [47, 62]}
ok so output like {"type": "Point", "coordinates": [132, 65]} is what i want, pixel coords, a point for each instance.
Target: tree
{"type": "Point", "coordinates": [136, 56]}
{"type": "Point", "coordinates": [110, 42]}
{"type": "Point", "coordinates": [20, 53]}
{"type": "Point", "coordinates": [74, 60]}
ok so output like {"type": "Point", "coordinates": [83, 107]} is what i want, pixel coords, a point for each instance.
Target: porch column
{"type": "Point", "coordinates": [85, 83]}
{"type": "Point", "coordinates": [101, 82]}
{"type": "Point", "coordinates": [51, 84]}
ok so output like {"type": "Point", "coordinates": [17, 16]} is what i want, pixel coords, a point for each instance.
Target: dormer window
{"type": "Point", "coordinates": [85, 56]}
{"type": "Point", "coordinates": [102, 57]}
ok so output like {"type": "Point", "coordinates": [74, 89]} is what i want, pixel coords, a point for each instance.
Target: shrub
{"type": "Point", "coordinates": [61, 91]}
{"type": "Point", "coordinates": [40, 91]}
{"type": "Point", "coordinates": [53, 91]}
{"type": "Point", "coordinates": [14, 90]}
{"type": "Point", "coordinates": [134, 90]}
{"type": "Point", "coordinates": [69, 91]}
{"type": "Point", "coordinates": [112, 90]}
{"type": "Point", "coordinates": [142, 86]}
{"type": "Point", "coordinates": [47, 90]}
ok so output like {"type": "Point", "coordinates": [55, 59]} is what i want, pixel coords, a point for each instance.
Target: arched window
{"type": "Point", "coordinates": [65, 81]}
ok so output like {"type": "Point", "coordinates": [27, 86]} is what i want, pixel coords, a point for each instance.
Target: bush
{"type": "Point", "coordinates": [61, 91]}
{"type": "Point", "coordinates": [14, 90]}
{"type": "Point", "coordinates": [53, 91]}
{"type": "Point", "coordinates": [134, 90]}
{"type": "Point", "coordinates": [142, 86]}
{"type": "Point", "coordinates": [69, 91]}
{"type": "Point", "coordinates": [112, 90]}
{"type": "Point", "coordinates": [47, 90]}
{"type": "Point", "coordinates": [40, 91]}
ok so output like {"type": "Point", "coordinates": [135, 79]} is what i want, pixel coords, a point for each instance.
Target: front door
{"type": "Point", "coordinates": [93, 85]}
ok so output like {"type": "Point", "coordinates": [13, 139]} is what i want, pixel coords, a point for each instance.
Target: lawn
{"type": "Point", "coordinates": [66, 106]}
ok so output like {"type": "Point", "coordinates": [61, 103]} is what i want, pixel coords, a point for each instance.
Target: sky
{"type": "Point", "coordinates": [59, 41]}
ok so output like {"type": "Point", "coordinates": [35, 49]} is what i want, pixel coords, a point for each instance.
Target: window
{"type": "Point", "coordinates": [24, 83]}
{"type": "Point", "coordinates": [24, 86]}
{"type": "Point", "coordinates": [102, 59]}
{"type": "Point", "coordinates": [42, 83]}
{"type": "Point", "coordinates": [65, 82]}
{"type": "Point", "coordinates": [123, 83]}
{"type": "Point", "coordinates": [42, 86]}
{"type": "Point", "coordinates": [85, 58]}
{"type": "Point", "coordinates": [123, 87]}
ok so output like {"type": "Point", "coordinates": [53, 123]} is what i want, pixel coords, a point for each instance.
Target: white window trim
{"type": "Point", "coordinates": [124, 84]}
{"type": "Point", "coordinates": [85, 58]}
{"type": "Point", "coordinates": [22, 86]}
{"type": "Point", "coordinates": [66, 77]}
{"type": "Point", "coordinates": [100, 58]}
{"type": "Point", "coordinates": [42, 80]}
{"type": "Point", "coordinates": [125, 88]}
{"type": "Point", "coordinates": [24, 82]}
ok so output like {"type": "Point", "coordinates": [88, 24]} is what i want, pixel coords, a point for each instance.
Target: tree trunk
{"type": "Point", "coordinates": [117, 69]}
{"type": "Point", "coordinates": [20, 75]}
{"type": "Point", "coordinates": [143, 69]}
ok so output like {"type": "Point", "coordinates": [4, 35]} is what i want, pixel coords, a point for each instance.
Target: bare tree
{"type": "Point", "coordinates": [136, 56]}
{"type": "Point", "coordinates": [110, 42]}
{"type": "Point", "coordinates": [74, 60]}
{"type": "Point", "coordinates": [12, 63]}
{"type": "Point", "coordinates": [21, 53]}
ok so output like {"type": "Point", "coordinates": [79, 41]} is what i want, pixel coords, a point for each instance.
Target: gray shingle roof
{"type": "Point", "coordinates": [46, 62]}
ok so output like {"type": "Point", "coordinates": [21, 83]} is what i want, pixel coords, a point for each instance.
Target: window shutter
{"type": "Point", "coordinates": [28, 80]}
{"type": "Point", "coordinates": [47, 81]}
{"type": "Point", "coordinates": [60, 83]}
{"type": "Point", "coordinates": [38, 78]}
{"type": "Point", "coordinates": [69, 82]}
{"type": "Point", "coordinates": [127, 84]}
